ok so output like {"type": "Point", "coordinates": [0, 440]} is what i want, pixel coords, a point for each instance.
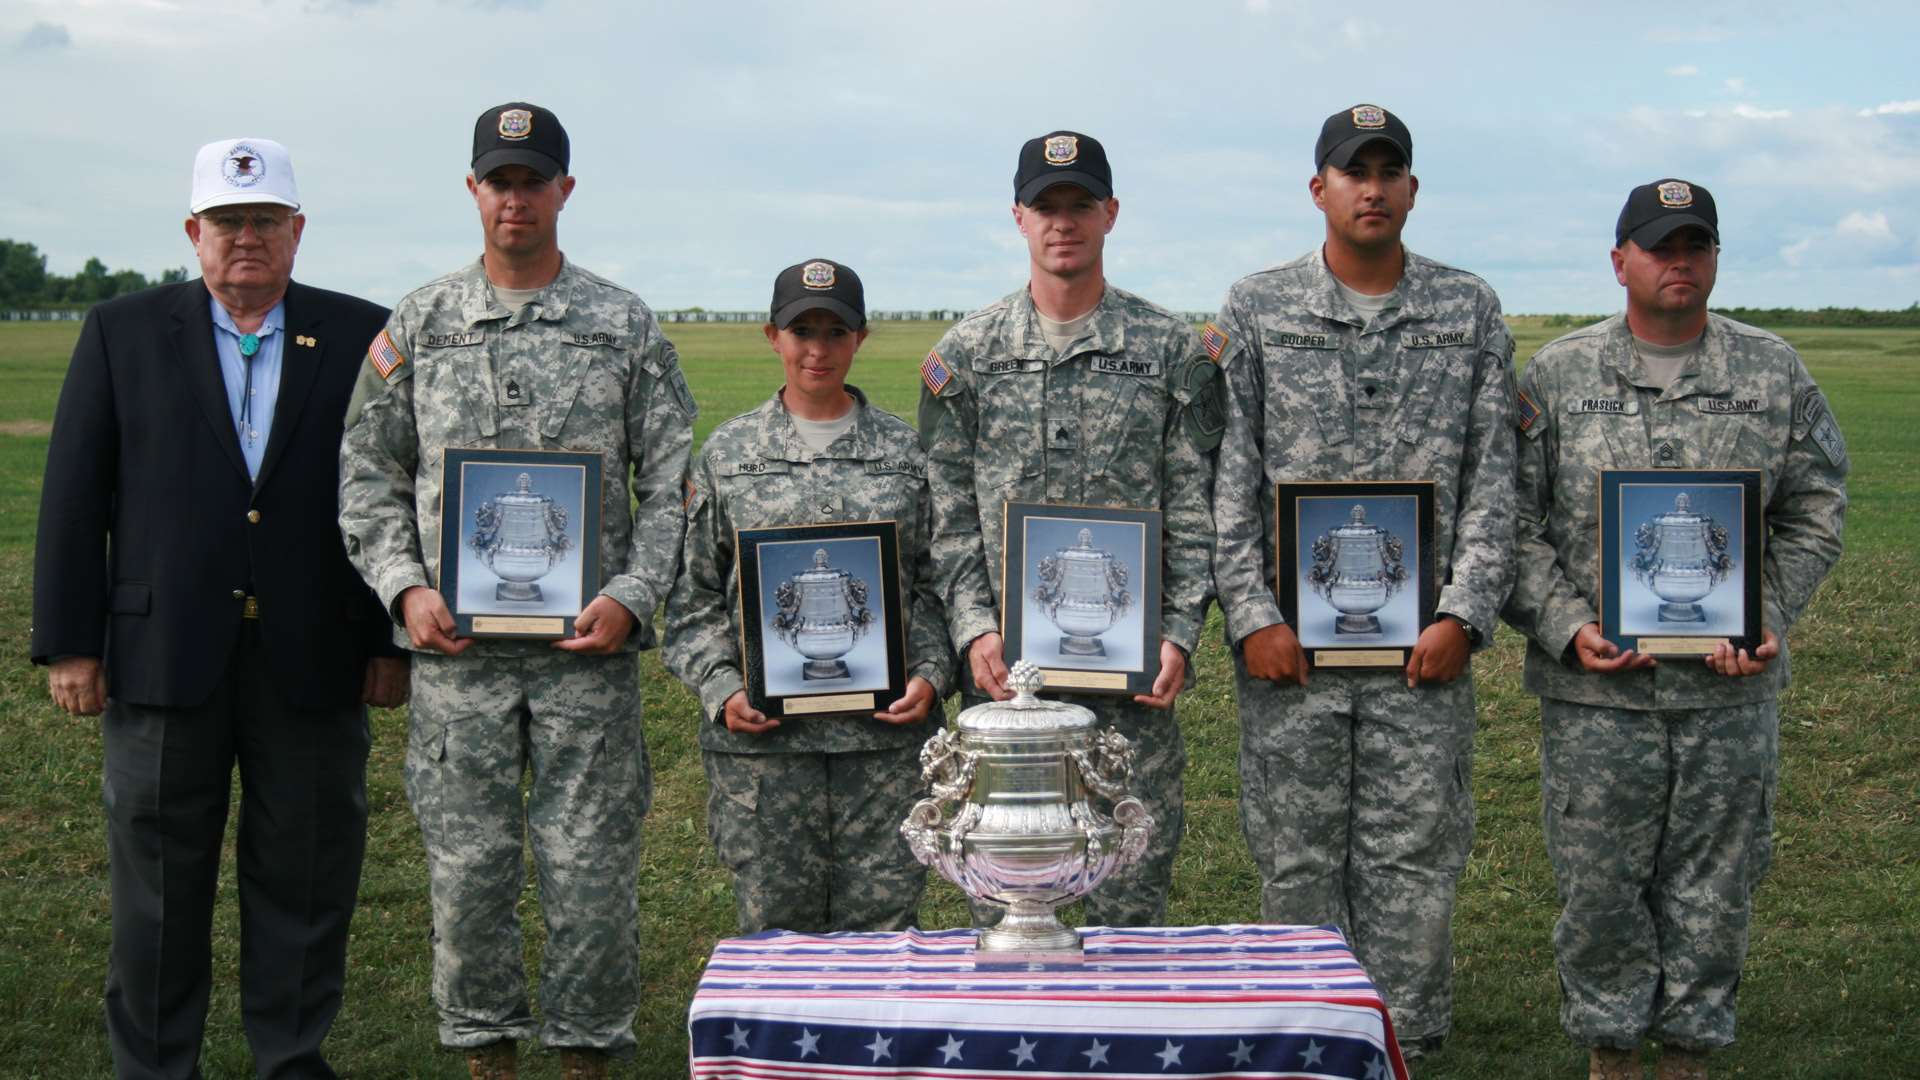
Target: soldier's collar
{"type": "Point", "coordinates": [549, 305]}
{"type": "Point", "coordinates": [1105, 333]}
{"type": "Point", "coordinates": [780, 440]}
{"type": "Point", "coordinates": [1324, 299]}
{"type": "Point", "coordinates": [1706, 373]}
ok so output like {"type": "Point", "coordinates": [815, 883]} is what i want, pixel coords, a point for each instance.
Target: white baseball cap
{"type": "Point", "coordinates": [235, 171]}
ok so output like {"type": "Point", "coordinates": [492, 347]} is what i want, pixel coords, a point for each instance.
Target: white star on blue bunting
{"type": "Point", "coordinates": [808, 1042]}
{"type": "Point", "coordinates": [1096, 1054]}
{"type": "Point", "coordinates": [951, 1050]}
{"type": "Point", "coordinates": [881, 1046]}
{"type": "Point", "coordinates": [738, 1037]}
{"type": "Point", "coordinates": [1023, 1053]}
{"type": "Point", "coordinates": [1170, 1055]}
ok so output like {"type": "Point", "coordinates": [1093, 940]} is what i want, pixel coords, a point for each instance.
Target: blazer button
{"type": "Point", "coordinates": [253, 517]}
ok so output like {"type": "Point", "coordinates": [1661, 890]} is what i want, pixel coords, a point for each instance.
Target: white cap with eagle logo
{"type": "Point", "coordinates": [236, 171]}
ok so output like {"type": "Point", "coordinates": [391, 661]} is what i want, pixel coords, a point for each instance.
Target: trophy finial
{"type": "Point", "coordinates": [1358, 515]}
{"type": "Point", "coordinates": [1086, 538]}
{"type": "Point", "coordinates": [1682, 503]}
{"type": "Point", "coordinates": [524, 485]}
{"type": "Point", "coordinates": [819, 558]}
{"type": "Point", "coordinates": [1025, 680]}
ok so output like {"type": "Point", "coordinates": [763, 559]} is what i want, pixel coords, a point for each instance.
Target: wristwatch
{"type": "Point", "coordinates": [1473, 632]}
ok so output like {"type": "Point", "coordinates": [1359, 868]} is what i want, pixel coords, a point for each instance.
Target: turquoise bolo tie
{"type": "Point", "coordinates": [249, 344]}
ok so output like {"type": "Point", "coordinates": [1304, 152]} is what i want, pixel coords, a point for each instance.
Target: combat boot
{"type": "Point", "coordinates": [494, 1061]}
{"type": "Point", "coordinates": [1678, 1063]}
{"type": "Point", "coordinates": [1608, 1063]}
{"type": "Point", "coordinates": [582, 1064]}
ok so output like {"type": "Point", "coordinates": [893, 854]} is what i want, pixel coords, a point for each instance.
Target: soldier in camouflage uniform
{"type": "Point", "coordinates": [1658, 778]}
{"type": "Point", "coordinates": [1072, 391]}
{"type": "Point", "coordinates": [524, 350]}
{"type": "Point", "coordinates": [1364, 361]}
{"type": "Point", "coordinates": [807, 812]}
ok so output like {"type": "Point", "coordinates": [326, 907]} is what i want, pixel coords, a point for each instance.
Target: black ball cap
{"type": "Point", "coordinates": [1062, 157]}
{"type": "Point", "coordinates": [519, 134]}
{"type": "Point", "coordinates": [1346, 131]}
{"type": "Point", "coordinates": [1655, 210]}
{"type": "Point", "coordinates": [818, 283]}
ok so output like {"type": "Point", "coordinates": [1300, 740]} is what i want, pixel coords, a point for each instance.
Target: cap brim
{"type": "Point", "coordinates": [785, 316]}
{"type": "Point", "coordinates": [1342, 152]}
{"type": "Point", "coordinates": [1652, 232]}
{"type": "Point", "coordinates": [532, 159]}
{"type": "Point", "coordinates": [240, 198]}
{"type": "Point", "coordinates": [1038, 184]}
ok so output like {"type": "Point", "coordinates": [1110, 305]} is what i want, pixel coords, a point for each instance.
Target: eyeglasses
{"type": "Point", "coordinates": [266, 224]}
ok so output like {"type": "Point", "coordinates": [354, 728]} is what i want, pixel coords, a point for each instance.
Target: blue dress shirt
{"type": "Point", "coordinates": [252, 431]}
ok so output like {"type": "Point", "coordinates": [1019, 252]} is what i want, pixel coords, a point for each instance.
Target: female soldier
{"type": "Point", "coordinates": [807, 813]}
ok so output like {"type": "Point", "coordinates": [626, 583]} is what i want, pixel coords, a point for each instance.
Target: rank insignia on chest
{"type": "Point", "coordinates": [934, 372]}
{"type": "Point", "coordinates": [383, 356]}
{"type": "Point", "coordinates": [1666, 455]}
{"type": "Point", "coordinates": [1214, 340]}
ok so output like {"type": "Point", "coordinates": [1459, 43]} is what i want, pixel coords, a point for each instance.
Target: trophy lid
{"type": "Point", "coordinates": [522, 493]}
{"type": "Point", "coordinates": [1682, 512]}
{"type": "Point", "coordinates": [1357, 524]}
{"type": "Point", "coordinates": [821, 570]}
{"type": "Point", "coordinates": [1084, 551]}
{"type": "Point", "coordinates": [1026, 712]}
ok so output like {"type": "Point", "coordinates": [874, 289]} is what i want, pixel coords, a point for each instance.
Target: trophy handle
{"type": "Point", "coordinates": [1106, 768]}
{"type": "Point", "coordinates": [946, 767]}
{"type": "Point", "coordinates": [1136, 824]}
{"type": "Point", "coordinates": [921, 831]}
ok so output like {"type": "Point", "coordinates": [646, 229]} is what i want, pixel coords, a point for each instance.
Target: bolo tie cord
{"type": "Point", "coordinates": [249, 344]}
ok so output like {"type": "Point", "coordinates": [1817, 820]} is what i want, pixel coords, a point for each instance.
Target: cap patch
{"type": "Point", "coordinates": [817, 275]}
{"type": "Point", "coordinates": [383, 356]}
{"type": "Point", "coordinates": [244, 166]}
{"type": "Point", "coordinates": [516, 124]}
{"type": "Point", "coordinates": [933, 371]}
{"type": "Point", "coordinates": [1062, 150]}
{"type": "Point", "coordinates": [1214, 340]}
{"type": "Point", "coordinates": [1675, 194]}
{"type": "Point", "coordinates": [1369, 116]}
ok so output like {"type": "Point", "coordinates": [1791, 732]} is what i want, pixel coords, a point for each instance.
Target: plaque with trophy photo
{"type": "Point", "coordinates": [821, 629]}
{"type": "Point", "coordinates": [1354, 569]}
{"type": "Point", "coordinates": [519, 540]}
{"type": "Point", "coordinates": [1082, 595]}
{"type": "Point", "coordinates": [1681, 552]}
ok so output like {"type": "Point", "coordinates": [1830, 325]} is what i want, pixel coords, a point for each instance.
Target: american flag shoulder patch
{"type": "Point", "coordinates": [1525, 412]}
{"type": "Point", "coordinates": [385, 358]}
{"type": "Point", "coordinates": [1214, 340]}
{"type": "Point", "coordinates": [934, 372]}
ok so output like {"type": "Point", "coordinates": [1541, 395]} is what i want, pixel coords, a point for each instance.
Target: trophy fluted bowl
{"type": "Point", "coordinates": [1013, 820]}
{"type": "Point", "coordinates": [1681, 555]}
{"type": "Point", "coordinates": [821, 612]}
{"type": "Point", "coordinates": [1357, 568]}
{"type": "Point", "coordinates": [520, 535]}
{"type": "Point", "coordinates": [1083, 590]}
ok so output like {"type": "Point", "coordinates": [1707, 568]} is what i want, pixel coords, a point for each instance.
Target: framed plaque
{"type": "Point", "coordinates": [1082, 595]}
{"type": "Point", "coordinates": [519, 540]}
{"type": "Point", "coordinates": [821, 629]}
{"type": "Point", "coordinates": [1681, 553]}
{"type": "Point", "coordinates": [1353, 569]}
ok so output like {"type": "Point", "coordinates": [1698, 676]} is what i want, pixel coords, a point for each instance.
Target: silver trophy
{"type": "Point", "coordinates": [1083, 589]}
{"type": "Point", "coordinates": [821, 612]}
{"type": "Point", "coordinates": [1357, 567]}
{"type": "Point", "coordinates": [520, 535]}
{"type": "Point", "coordinates": [1012, 821]}
{"type": "Point", "coordinates": [1681, 556]}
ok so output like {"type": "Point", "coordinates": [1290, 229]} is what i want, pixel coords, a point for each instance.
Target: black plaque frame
{"type": "Point", "coordinates": [1290, 500]}
{"type": "Point", "coordinates": [1617, 550]}
{"type": "Point", "coordinates": [565, 472]}
{"type": "Point", "coordinates": [1021, 641]}
{"type": "Point", "coordinates": [749, 545]}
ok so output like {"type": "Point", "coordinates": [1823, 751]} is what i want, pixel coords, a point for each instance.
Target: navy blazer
{"type": "Point", "coordinates": [151, 532]}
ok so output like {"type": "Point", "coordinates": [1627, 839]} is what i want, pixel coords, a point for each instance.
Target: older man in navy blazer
{"type": "Point", "coordinates": [189, 580]}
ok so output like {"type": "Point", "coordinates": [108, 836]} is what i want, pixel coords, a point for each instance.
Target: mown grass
{"type": "Point", "coordinates": [1831, 983]}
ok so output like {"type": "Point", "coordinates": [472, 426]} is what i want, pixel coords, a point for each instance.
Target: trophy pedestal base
{"type": "Point", "coordinates": [518, 591]}
{"type": "Point", "coordinates": [1356, 625]}
{"type": "Point", "coordinates": [824, 669]}
{"type": "Point", "coordinates": [1028, 933]}
{"type": "Point", "coordinates": [1073, 645]}
{"type": "Point", "coordinates": [1682, 613]}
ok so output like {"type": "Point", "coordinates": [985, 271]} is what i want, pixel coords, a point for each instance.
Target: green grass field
{"type": "Point", "coordinates": [1831, 982]}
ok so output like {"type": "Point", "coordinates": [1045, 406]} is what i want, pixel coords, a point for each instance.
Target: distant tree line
{"type": "Point", "coordinates": [25, 283]}
{"type": "Point", "coordinates": [1772, 317]}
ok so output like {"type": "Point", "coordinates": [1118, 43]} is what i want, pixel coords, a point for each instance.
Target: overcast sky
{"type": "Point", "coordinates": [715, 143]}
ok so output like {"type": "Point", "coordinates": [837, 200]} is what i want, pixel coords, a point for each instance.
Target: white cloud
{"type": "Point", "coordinates": [1861, 238]}
{"type": "Point", "coordinates": [1749, 112]}
{"type": "Point", "coordinates": [1893, 108]}
{"type": "Point", "coordinates": [1683, 71]}
{"type": "Point", "coordinates": [1737, 85]}
{"type": "Point", "coordinates": [1259, 7]}
{"type": "Point", "coordinates": [1867, 226]}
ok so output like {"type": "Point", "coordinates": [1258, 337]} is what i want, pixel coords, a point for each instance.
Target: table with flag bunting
{"type": "Point", "coordinates": [1204, 1001]}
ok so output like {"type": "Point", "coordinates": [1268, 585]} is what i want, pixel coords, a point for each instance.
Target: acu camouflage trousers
{"type": "Point", "coordinates": [813, 839]}
{"type": "Point", "coordinates": [479, 723]}
{"type": "Point", "coordinates": [1356, 798]}
{"type": "Point", "coordinates": [1660, 826]}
